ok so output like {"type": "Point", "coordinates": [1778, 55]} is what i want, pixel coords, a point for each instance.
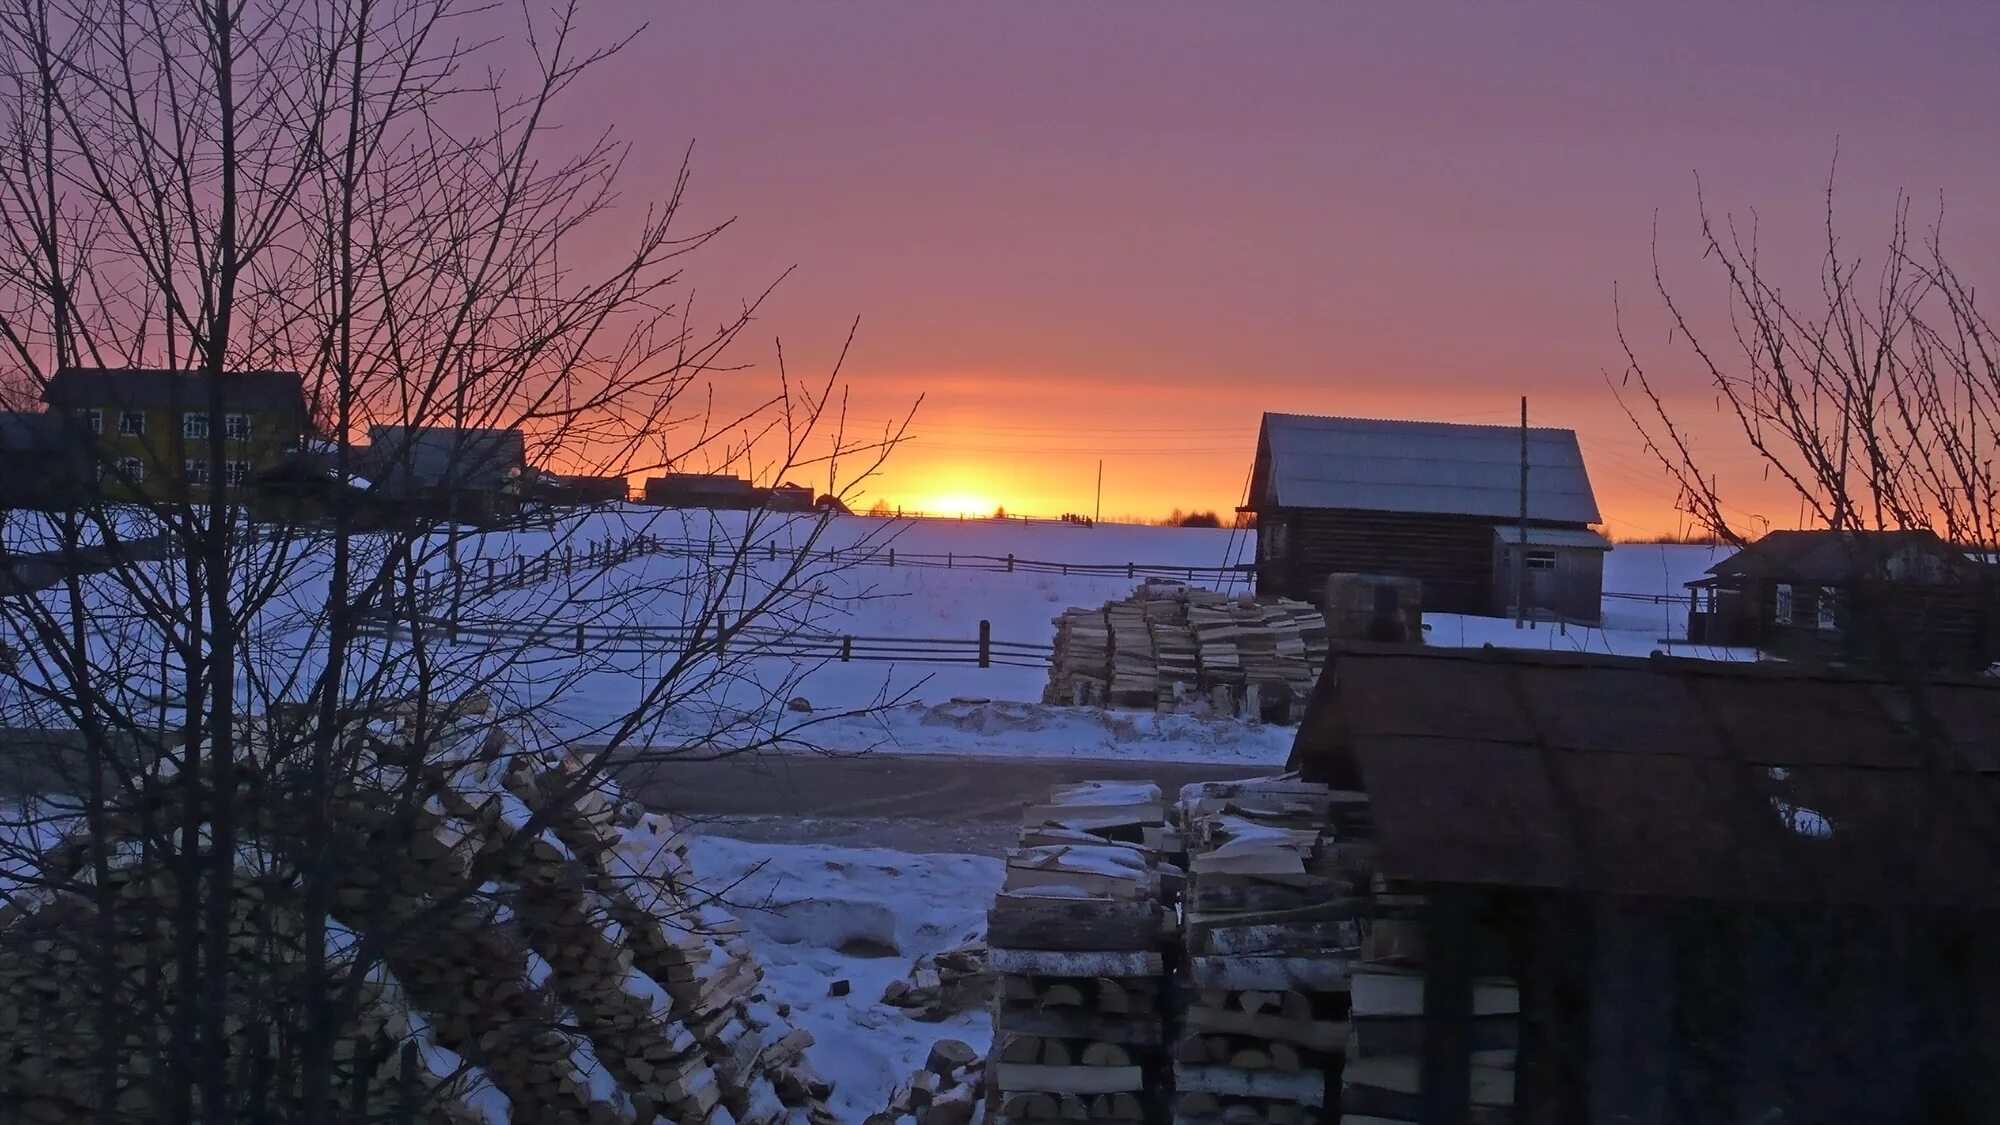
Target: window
{"type": "Point", "coordinates": [1540, 560]}
{"type": "Point", "coordinates": [132, 423]}
{"type": "Point", "coordinates": [236, 427]}
{"type": "Point", "coordinates": [236, 473]}
{"type": "Point", "coordinates": [197, 471]}
{"type": "Point", "coordinates": [96, 420]}
{"type": "Point", "coordinates": [132, 469]}
{"type": "Point", "coordinates": [194, 425]}
{"type": "Point", "coordinates": [1823, 608]}
{"type": "Point", "coordinates": [1781, 605]}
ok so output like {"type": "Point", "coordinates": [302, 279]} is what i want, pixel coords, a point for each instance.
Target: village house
{"type": "Point", "coordinates": [1666, 892]}
{"type": "Point", "coordinates": [151, 429]}
{"type": "Point", "coordinates": [1434, 501]}
{"type": "Point", "coordinates": [1850, 597]}
{"type": "Point", "coordinates": [459, 474]}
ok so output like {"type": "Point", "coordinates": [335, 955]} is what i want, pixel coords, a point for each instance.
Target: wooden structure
{"type": "Point", "coordinates": [1433, 501]}
{"type": "Point", "coordinates": [457, 474]}
{"type": "Point", "coordinates": [1664, 891]}
{"type": "Point", "coordinates": [1884, 597]}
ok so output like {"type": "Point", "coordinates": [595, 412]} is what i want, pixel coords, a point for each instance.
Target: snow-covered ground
{"type": "Point", "coordinates": [822, 914]}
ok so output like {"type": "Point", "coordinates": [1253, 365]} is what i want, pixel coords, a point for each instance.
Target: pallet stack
{"type": "Point", "coordinates": [1383, 1081]}
{"type": "Point", "coordinates": [1078, 938]}
{"type": "Point", "coordinates": [1270, 925]}
{"type": "Point", "coordinates": [1169, 646]}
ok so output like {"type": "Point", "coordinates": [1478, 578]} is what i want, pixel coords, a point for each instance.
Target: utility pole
{"type": "Point", "coordinates": [1097, 513]}
{"type": "Point", "coordinates": [1520, 553]}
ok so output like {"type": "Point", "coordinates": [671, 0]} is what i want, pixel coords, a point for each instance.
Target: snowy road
{"type": "Point", "coordinates": [930, 803]}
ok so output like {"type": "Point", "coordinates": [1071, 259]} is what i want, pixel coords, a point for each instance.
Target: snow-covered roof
{"type": "Point", "coordinates": [1433, 468]}
{"type": "Point", "coordinates": [1553, 537]}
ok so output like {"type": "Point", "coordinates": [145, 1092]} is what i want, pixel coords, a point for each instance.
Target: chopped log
{"type": "Point", "coordinates": [1069, 1079]}
{"type": "Point", "coordinates": [1304, 1089]}
{"type": "Point", "coordinates": [1319, 1035]}
{"type": "Point", "coordinates": [1023, 920]}
{"type": "Point", "coordinates": [1075, 963]}
{"type": "Point", "coordinates": [1105, 1054]}
{"type": "Point", "coordinates": [1143, 1031]}
{"type": "Point", "coordinates": [1326, 973]}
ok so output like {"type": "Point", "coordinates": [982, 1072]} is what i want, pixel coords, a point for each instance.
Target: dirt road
{"type": "Point", "coordinates": [918, 804]}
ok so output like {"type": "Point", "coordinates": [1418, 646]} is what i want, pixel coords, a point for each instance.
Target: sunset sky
{"type": "Point", "coordinates": [1124, 230]}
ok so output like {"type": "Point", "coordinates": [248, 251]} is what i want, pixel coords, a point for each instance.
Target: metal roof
{"type": "Point", "coordinates": [444, 457]}
{"type": "Point", "coordinates": [1553, 537]}
{"type": "Point", "coordinates": [141, 387]}
{"type": "Point", "coordinates": [1436, 468]}
{"type": "Point", "coordinates": [1666, 777]}
{"type": "Point", "coordinates": [1837, 557]}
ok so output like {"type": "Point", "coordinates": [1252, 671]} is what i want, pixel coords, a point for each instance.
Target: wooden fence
{"type": "Point", "coordinates": [757, 641]}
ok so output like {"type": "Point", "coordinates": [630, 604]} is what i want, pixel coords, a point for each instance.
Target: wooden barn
{"type": "Point", "coordinates": [1433, 501]}
{"type": "Point", "coordinates": [1887, 597]}
{"type": "Point", "coordinates": [1665, 892]}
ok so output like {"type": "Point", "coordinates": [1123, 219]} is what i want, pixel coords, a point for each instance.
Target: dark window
{"type": "Point", "coordinates": [132, 423]}
{"type": "Point", "coordinates": [236, 472]}
{"type": "Point", "coordinates": [133, 469]}
{"type": "Point", "coordinates": [96, 418]}
{"type": "Point", "coordinates": [236, 427]}
{"type": "Point", "coordinates": [194, 426]}
{"type": "Point", "coordinates": [197, 471]}
{"type": "Point", "coordinates": [1541, 560]}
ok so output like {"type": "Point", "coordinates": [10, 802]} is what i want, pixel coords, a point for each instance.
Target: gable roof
{"type": "Point", "coordinates": [1434, 468]}
{"type": "Point", "coordinates": [144, 387]}
{"type": "Point", "coordinates": [1832, 557]}
{"type": "Point", "coordinates": [403, 457]}
{"type": "Point", "coordinates": [1665, 777]}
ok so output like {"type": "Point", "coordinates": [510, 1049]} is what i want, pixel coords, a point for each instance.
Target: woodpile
{"type": "Point", "coordinates": [1383, 1082]}
{"type": "Point", "coordinates": [1079, 938]}
{"type": "Point", "coordinates": [1170, 647]}
{"type": "Point", "coordinates": [947, 1091]}
{"type": "Point", "coordinates": [943, 984]}
{"type": "Point", "coordinates": [531, 939]}
{"type": "Point", "coordinates": [1270, 923]}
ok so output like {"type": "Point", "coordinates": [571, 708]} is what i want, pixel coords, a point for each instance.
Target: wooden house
{"type": "Point", "coordinates": [1665, 892]}
{"type": "Point", "coordinates": [1850, 597]}
{"type": "Point", "coordinates": [153, 430]}
{"type": "Point", "coordinates": [721, 491]}
{"type": "Point", "coordinates": [1433, 501]}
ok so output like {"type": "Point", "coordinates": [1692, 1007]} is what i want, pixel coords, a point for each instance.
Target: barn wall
{"type": "Point", "coordinates": [1451, 555]}
{"type": "Point", "coordinates": [1574, 589]}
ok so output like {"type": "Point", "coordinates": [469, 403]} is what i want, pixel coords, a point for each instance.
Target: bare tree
{"type": "Point", "coordinates": [372, 194]}
{"type": "Point", "coordinates": [1875, 399]}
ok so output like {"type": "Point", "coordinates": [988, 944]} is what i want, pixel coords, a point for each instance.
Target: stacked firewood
{"type": "Point", "coordinates": [1270, 923]}
{"type": "Point", "coordinates": [536, 941]}
{"type": "Point", "coordinates": [1383, 1081]}
{"type": "Point", "coordinates": [1076, 937]}
{"type": "Point", "coordinates": [947, 1091]}
{"type": "Point", "coordinates": [1171, 646]}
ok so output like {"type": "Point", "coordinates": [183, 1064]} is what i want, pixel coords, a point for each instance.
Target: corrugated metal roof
{"type": "Point", "coordinates": [1666, 777]}
{"type": "Point", "coordinates": [1438, 468]}
{"type": "Point", "coordinates": [444, 457]}
{"type": "Point", "coordinates": [1553, 537]}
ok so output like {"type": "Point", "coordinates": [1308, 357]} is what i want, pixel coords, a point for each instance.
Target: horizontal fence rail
{"type": "Point", "coordinates": [760, 641]}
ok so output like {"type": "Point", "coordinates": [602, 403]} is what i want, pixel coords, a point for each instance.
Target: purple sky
{"type": "Point", "coordinates": [1127, 229]}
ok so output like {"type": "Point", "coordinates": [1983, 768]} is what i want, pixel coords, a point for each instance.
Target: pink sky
{"type": "Point", "coordinates": [1127, 229]}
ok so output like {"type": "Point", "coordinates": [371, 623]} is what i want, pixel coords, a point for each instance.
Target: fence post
{"type": "Point", "coordinates": [947, 560]}
{"type": "Point", "coordinates": [579, 639]}
{"type": "Point", "coordinates": [774, 550]}
{"type": "Point", "coordinates": [846, 649]}
{"type": "Point", "coordinates": [1010, 562]}
{"type": "Point", "coordinates": [892, 556]}
{"type": "Point", "coordinates": [721, 635]}
{"type": "Point", "coordinates": [1129, 568]}
{"type": "Point", "coordinates": [985, 644]}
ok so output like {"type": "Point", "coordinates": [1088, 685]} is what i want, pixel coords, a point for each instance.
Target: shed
{"type": "Point", "coordinates": [1884, 597]}
{"type": "Point", "coordinates": [45, 461]}
{"type": "Point", "coordinates": [703, 490]}
{"type": "Point", "coordinates": [462, 474]}
{"type": "Point", "coordinates": [1725, 892]}
{"type": "Point", "coordinates": [1429, 501]}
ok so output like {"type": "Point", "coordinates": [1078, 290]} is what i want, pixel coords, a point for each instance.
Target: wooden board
{"type": "Point", "coordinates": [1013, 1077]}
{"type": "Point", "coordinates": [1382, 993]}
{"type": "Point", "coordinates": [1320, 1035]}
{"type": "Point", "coordinates": [1074, 963]}
{"type": "Point", "coordinates": [1307, 1088]}
{"type": "Point", "coordinates": [1027, 921]}
{"type": "Point", "coordinates": [1303, 974]}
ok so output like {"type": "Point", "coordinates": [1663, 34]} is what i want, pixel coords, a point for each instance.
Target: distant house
{"type": "Point", "coordinates": [1852, 596]}
{"type": "Point", "coordinates": [702, 490]}
{"type": "Point", "coordinates": [45, 461]}
{"type": "Point", "coordinates": [460, 474]}
{"type": "Point", "coordinates": [789, 497]}
{"type": "Point", "coordinates": [1433, 501]}
{"type": "Point", "coordinates": [152, 428]}
{"type": "Point", "coordinates": [1663, 891]}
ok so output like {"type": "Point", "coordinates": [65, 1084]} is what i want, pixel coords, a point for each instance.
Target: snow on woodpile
{"type": "Point", "coordinates": [540, 944]}
{"type": "Point", "coordinates": [1170, 647]}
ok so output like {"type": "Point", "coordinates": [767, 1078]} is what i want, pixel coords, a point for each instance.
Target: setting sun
{"type": "Point", "coordinates": [959, 504]}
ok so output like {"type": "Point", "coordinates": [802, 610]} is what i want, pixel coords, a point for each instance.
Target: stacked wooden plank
{"type": "Point", "coordinates": [1077, 938]}
{"type": "Point", "coordinates": [1170, 646]}
{"type": "Point", "coordinates": [1383, 1081]}
{"type": "Point", "coordinates": [1270, 926]}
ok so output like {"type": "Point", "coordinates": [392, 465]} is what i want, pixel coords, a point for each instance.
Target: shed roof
{"type": "Point", "coordinates": [143, 387]}
{"type": "Point", "coordinates": [1833, 557]}
{"type": "Point", "coordinates": [444, 457]}
{"type": "Point", "coordinates": [1666, 777]}
{"type": "Point", "coordinates": [1576, 537]}
{"type": "Point", "coordinates": [1434, 468]}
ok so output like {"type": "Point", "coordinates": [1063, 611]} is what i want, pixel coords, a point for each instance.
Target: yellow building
{"type": "Point", "coordinates": [155, 431]}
